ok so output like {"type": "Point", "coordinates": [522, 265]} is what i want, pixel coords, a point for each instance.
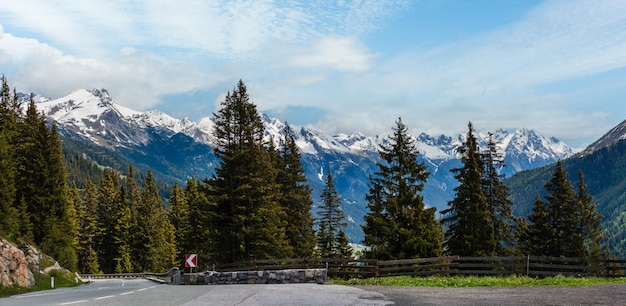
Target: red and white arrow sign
{"type": "Point", "coordinates": [191, 260]}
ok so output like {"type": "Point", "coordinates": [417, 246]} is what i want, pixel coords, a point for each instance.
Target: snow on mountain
{"type": "Point", "coordinates": [94, 115]}
{"type": "Point", "coordinates": [610, 138]}
{"type": "Point", "coordinates": [181, 148]}
{"type": "Point", "coordinates": [524, 149]}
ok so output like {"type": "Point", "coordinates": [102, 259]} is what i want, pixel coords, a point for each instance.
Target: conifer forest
{"type": "Point", "coordinates": [257, 204]}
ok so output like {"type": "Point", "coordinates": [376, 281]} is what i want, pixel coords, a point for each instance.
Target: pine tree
{"type": "Point", "coordinates": [74, 215]}
{"type": "Point", "coordinates": [31, 162]}
{"type": "Point", "coordinates": [344, 249]}
{"type": "Point", "coordinates": [536, 237]}
{"type": "Point", "coordinates": [562, 211]}
{"type": "Point", "coordinates": [8, 131]}
{"type": "Point", "coordinates": [497, 196]}
{"type": "Point", "coordinates": [247, 219]}
{"type": "Point", "coordinates": [8, 211]}
{"type": "Point", "coordinates": [123, 237]}
{"type": "Point", "coordinates": [87, 255]}
{"type": "Point", "coordinates": [110, 203]}
{"type": "Point", "coordinates": [130, 193]}
{"type": "Point", "coordinates": [398, 225]}
{"type": "Point", "coordinates": [159, 251]}
{"type": "Point", "coordinates": [178, 214]}
{"type": "Point", "coordinates": [58, 238]}
{"type": "Point", "coordinates": [296, 197]}
{"type": "Point", "coordinates": [566, 223]}
{"type": "Point", "coordinates": [330, 242]}
{"type": "Point", "coordinates": [592, 243]}
{"type": "Point", "coordinates": [197, 230]}
{"type": "Point", "coordinates": [470, 231]}
{"type": "Point", "coordinates": [24, 222]}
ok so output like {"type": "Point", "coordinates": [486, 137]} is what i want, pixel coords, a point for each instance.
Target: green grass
{"type": "Point", "coordinates": [43, 283]}
{"type": "Point", "coordinates": [480, 281]}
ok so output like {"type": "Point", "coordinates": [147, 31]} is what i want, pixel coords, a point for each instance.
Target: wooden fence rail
{"type": "Point", "coordinates": [451, 265]}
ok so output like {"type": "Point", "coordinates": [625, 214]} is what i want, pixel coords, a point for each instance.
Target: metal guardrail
{"type": "Point", "coordinates": [113, 276]}
{"type": "Point", "coordinates": [166, 278]}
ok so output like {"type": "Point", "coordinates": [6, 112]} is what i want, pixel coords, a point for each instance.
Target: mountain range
{"type": "Point", "coordinates": [602, 164]}
{"type": "Point", "coordinates": [176, 149]}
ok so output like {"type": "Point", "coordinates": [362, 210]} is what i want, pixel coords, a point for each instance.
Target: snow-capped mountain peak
{"type": "Point", "coordinates": [610, 138]}
{"type": "Point", "coordinates": [94, 114]}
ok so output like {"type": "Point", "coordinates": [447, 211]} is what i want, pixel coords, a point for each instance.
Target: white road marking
{"type": "Point", "coordinates": [104, 297]}
{"type": "Point", "coordinates": [74, 302]}
{"type": "Point", "coordinates": [37, 295]}
{"type": "Point", "coordinates": [142, 289]}
{"type": "Point", "coordinates": [129, 292]}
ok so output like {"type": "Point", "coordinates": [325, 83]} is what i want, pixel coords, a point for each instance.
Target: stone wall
{"type": "Point", "coordinates": [256, 277]}
{"type": "Point", "coordinates": [14, 266]}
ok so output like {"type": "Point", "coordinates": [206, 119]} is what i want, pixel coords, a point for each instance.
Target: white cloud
{"type": "Point", "coordinates": [314, 54]}
{"type": "Point", "coordinates": [153, 48]}
{"type": "Point", "coordinates": [136, 78]}
{"type": "Point", "coordinates": [340, 53]}
{"type": "Point", "coordinates": [220, 27]}
{"type": "Point", "coordinates": [501, 79]}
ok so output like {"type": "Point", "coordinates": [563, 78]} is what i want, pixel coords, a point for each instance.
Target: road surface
{"type": "Point", "coordinates": [143, 292]}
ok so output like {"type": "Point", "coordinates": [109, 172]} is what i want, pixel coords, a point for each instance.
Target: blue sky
{"type": "Point", "coordinates": [558, 67]}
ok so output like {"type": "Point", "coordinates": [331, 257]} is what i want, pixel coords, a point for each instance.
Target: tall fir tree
{"type": "Point", "coordinates": [593, 242]}
{"type": "Point", "coordinates": [497, 196]}
{"type": "Point", "coordinates": [198, 231]}
{"type": "Point", "coordinates": [9, 213]}
{"type": "Point", "coordinates": [398, 225]}
{"type": "Point", "coordinates": [331, 240]}
{"type": "Point", "coordinates": [566, 223]}
{"type": "Point", "coordinates": [178, 214]}
{"type": "Point", "coordinates": [535, 236]}
{"type": "Point", "coordinates": [159, 249]}
{"type": "Point", "coordinates": [74, 214]}
{"type": "Point", "coordinates": [247, 219]}
{"type": "Point", "coordinates": [470, 231]}
{"type": "Point", "coordinates": [562, 210]}
{"type": "Point", "coordinates": [296, 197]}
{"type": "Point", "coordinates": [58, 213]}
{"type": "Point", "coordinates": [123, 237]}
{"type": "Point", "coordinates": [31, 163]}
{"type": "Point", "coordinates": [131, 196]}
{"type": "Point", "coordinates": [87, 255]}
{"type": "Point", "coordinates": [110, 203]}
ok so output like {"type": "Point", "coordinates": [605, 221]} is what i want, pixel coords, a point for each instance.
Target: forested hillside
{"type": "Point", "coordinates": [605, 176]}
{"type": "Point", "coordinates": [258, 204]}
{"type": "Point", "coordinates": [85, 162]}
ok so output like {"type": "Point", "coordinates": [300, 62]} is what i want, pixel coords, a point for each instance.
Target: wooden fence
{"type": "Point", "coordinates": [450, 265]}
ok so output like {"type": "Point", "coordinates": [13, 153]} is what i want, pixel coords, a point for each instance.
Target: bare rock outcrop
{"type": "Point", "coordinates": [14, 266]}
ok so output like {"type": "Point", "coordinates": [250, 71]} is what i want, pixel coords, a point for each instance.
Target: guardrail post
{"type": "Point", "coordinates": [326, 272]}
{"type": "Point", "coordinates": [175, 276]}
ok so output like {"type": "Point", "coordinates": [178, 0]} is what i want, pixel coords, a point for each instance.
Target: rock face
{"type": "Point", "coordinates": [14, 266]}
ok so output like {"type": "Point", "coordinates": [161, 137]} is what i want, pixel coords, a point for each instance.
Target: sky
{"type": "Point", "coordinates": [344, 66]}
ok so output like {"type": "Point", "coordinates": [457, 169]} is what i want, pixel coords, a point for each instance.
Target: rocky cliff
{"type": "Point", "coordinates": [14, 266]}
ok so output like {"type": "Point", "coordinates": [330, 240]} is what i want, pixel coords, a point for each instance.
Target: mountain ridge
{"type": "Point", "coordinates": [182, 148]}
{"type": "Point", "coordinates": [432, 147]}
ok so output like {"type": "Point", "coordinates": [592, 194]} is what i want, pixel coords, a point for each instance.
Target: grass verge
{"type": "Point", "coordinates": [479, 281]}
{"type": "Point", "coordinates": [41, 283]}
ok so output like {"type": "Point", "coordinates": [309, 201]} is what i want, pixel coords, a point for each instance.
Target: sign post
{"type": "Point", "coordinates": [191, 261]}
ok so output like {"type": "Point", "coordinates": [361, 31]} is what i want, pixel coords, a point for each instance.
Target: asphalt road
{"type": "Point", "coordinates": [110, 292]}
{"type": "Point", "coordinates": [143, 292]}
